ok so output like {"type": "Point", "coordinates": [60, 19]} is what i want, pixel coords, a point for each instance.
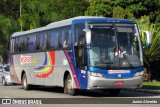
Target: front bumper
{"type": "Point", "coordinates": [104, 83]}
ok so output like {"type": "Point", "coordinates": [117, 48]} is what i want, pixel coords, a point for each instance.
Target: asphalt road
{"type": "Point", "coordinates": [92, 98]}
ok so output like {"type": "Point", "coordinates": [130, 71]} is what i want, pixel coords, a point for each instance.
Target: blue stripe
{"type": "Point", "coordinates": [45, 63]}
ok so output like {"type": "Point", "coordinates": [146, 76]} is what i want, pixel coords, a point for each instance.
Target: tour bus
{"type": "Point", "coordinates": [81, 53]}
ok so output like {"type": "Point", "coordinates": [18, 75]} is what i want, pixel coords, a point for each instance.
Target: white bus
{"type": "Point", "coordinates": [79, 53]}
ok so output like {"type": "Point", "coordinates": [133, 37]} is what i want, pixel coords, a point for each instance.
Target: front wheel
{"type": "Point", "coordinates": [4, 82]}
{"type": "Point", "coordinates": [68, 88]}
{"type": "Point", "coordinates": [25, 85]}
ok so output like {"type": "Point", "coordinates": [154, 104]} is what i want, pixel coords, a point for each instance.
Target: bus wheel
{"type": "Point", "coordinates": [24, 82]}
{"type": "Point", "coordinates": [4, 82]}
{"type": "Point", "coordinates": [114, 91]}
{"type": "Point", "coordinates": [68, 86]}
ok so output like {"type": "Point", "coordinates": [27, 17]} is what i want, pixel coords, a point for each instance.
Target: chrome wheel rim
{"type": "Point", "coordinates": [69, 85]}
{"type": "Point", "coordinates": [24, 82]}
{"type": "Point", "coordinates": [3, 81]}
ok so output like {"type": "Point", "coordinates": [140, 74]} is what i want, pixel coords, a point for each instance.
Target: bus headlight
{"type": "Point", "coordinates": [94, 74]}
{"type": "Point", "coordinates": [138, 73]}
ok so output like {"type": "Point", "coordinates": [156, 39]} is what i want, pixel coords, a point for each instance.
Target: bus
{"type": "Point", "coordinates": [81, 53]}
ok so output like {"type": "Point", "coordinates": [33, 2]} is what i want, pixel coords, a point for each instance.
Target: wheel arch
{"type": "Point", "coordinates": [23, 72]}
{"type": "Point", "coordinates": [66, 73]}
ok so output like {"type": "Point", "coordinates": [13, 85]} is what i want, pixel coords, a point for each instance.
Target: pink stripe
{"type": "Point", "coordinates": [13, 69]}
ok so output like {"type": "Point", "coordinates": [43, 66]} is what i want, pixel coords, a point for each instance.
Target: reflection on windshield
{"type": "Point", "coordinates": [115, 49]}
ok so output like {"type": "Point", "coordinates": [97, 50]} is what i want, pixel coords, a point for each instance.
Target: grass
{"type": "Point", "coordinates": [151, 85]}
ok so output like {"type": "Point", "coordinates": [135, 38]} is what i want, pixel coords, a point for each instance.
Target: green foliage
{"type": "Point", "coordinates": [99, 8]}
{"type": "Point", "coordinates": [36, 13]}
{"type": "Point", "coordinates": [151, 85]}
{"type": "Point", "coordinates": [130, 8]}
{"type": "Point", "coordinates": [10, 8]}
{"type": "Point", "coordinates": [7, 26]}
{"type": "Point", "coordinates": [72, 8]}
{"type": "Point", "coordinates": [152, 52]}
{"type": "Point", "coordinates": [119, 12]}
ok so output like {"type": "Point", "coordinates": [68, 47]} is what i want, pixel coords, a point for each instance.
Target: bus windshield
{"type": "Point", "coordinates": [115, 46]}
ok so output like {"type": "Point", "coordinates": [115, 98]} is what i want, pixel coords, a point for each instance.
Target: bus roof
{"type": "Point", "coordinates": [69, 22]}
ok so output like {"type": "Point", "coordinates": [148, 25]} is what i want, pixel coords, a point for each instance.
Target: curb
{"type": "Point", "coordinates": [144, 91]}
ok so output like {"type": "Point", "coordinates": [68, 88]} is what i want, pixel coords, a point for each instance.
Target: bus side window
{"type": "Point", "coordinates": [31, 43]}
{"type": "Point", "coordinates": [12, 45]}
{"type": "Point", "coordinates": [20, 44]}
{"type": "Point", "coordinates": [37, 42]}
{"type": "Point", "coordinates": [16, 45]}
{"type": "Point", "coordinates": [48, 42]}
{"type": "Point", "coordinates": [66, 42]}
{"type": "Point", "coordinates": [43, 37]}
{"type": "Point", "coordinates": [24, 44]}
{"type": "Point", "coordinates": [60, 44]}
{"type": "Point", "coordinates": [54, 39]}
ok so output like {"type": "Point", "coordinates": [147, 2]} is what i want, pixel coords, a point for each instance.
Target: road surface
{"type": "Point", "coordinates": [98, 98]}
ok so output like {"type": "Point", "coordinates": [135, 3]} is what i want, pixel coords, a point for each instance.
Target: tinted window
{"type": "Point", "coordinates": [52, 39]}
{"type": "Point", "coordinates": [31, 43]}
{"type": "Point", "coordinates": [66, 37]}
{"type": "Point", "coordinates": [38, 39]}
{"type": "Point", "coordinates": [41, 41]}
{"type": "Point", "coordinates": [12, 45]}
{"type": "Point", "coordinates": [24, 44]}
{"type": "Point", "coordinates": [16, 45]}
{"type": "Point", "coordinates": [78, 32]}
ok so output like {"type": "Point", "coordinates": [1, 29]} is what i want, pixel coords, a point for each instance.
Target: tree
{"type": "Point", "coordinates": [10, 8]}
{"type": "Point", "coordinates": [151, 53]}
{"type": "Point", "coordinates": [7, 26]}
{"type": "Point", "coordinates": [99, 8]}
{"type": "Point", "coordinates": [119, 12]}
{"type": "Point", "coordinates": [138, 8]}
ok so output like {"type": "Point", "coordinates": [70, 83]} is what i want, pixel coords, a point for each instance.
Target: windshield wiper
{"type": "Point", "coordinates": [127, 60]}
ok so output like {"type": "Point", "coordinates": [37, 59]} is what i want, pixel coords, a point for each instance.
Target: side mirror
{"type": "Point", "coordinates": [148, 37]}
{"type": "Point", "coordinates": [88, 36]}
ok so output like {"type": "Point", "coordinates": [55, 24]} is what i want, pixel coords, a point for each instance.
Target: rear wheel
{"type": "Point", "coordinates": [68, 88]}
{"type": "Point", "coordinates": [4, 82]}
{"type": "Point", "coordinates": [25, 85]}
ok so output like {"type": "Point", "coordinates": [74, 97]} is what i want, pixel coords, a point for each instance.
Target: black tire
{"type": "Point", "coordinates": [25, 85]}
{"type": "Point", "coordinates": [4, 82]}
{"type": "Point", "coordinates": [114, 91]}
{"type": "Point", "coordinates": [68, 86]}
{"type": "Point", "coordinates": [14, 83]}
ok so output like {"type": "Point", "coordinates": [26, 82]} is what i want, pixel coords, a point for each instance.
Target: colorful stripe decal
{"type": "Point", "coordinates": [45, 75]}
{"type": "Point", "coordinates": [13, 69]}
{"type": "Point", "coordinates": [44, 64]}
{"type": "Point", "coordinates": [48, 65]}
{"type": "Point", "coordinates": [73, 70]}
